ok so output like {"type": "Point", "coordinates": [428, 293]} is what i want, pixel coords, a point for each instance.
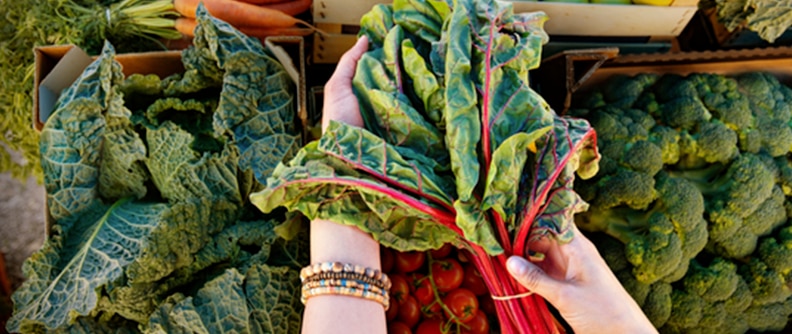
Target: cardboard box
{"type": "Point", "coordinates": [56, 68]}
{"type": "Point", "coordinates": [581, 70]}
{"type": "Point", "coordinates": [337, 17]}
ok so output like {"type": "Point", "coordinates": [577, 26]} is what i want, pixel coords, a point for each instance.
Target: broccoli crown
{"type": "Point", "coordinates": [712, 142]}
{"type": "Point", "coordinates": [714, 283]}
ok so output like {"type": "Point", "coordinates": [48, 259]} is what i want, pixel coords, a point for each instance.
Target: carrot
{"type": "Point", "coordinates": [186, 26]}
{"type": "Point", "coordinates": [264, 2]}
{"type": "Point", "coordinates": [292, 8]}
{"type": "Point", "coordinates": [239, 13]}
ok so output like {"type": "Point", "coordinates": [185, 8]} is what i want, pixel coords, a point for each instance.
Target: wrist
{"type": "Point", "coordinates": [333, 242]}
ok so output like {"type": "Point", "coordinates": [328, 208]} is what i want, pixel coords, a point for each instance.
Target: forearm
{"type": "Point", "coordinates": [332, 242]}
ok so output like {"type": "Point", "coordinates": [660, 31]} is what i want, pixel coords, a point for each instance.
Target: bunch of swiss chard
{"type": "Point", "coordinates": [457, 148]}
{"type": "Point", "coordinates": [147, 183]}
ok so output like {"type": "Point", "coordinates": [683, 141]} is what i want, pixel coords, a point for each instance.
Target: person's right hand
{"type": "Point", "coordinates": [579, 284]}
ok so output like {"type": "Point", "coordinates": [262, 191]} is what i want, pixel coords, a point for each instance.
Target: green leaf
{"type": "Point", "coordinates": [376, 23]}
{"type": "Point", "coordinates": [472, 219]}
{"type": "Point", "coordinates": [264, 300]}
{"type": "Point", "coordinates": [463, 127]}
{"type": "Point", "coordinates": [419, 17]}
{"type": "Point", "coordinates": [505, 171]}
{"type": "Point", "coordinates": [424, 83]}
{"type": "Point", "coordinates": [183, 174]}
{"type": "Point", "coordinates": [63, 278]}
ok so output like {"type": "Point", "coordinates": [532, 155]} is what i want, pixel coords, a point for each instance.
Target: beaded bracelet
{"type": "Point", "coordinates": [338, 278]}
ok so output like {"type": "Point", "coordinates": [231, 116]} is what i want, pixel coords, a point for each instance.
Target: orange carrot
{"type": "Point", "coordinates": [292, 8]}
{"type": "Point", "coordinates": [186, 26]}
{"type": "Point", "coordinates": [264, 2]}
{"type": "Point", "coordinates": [239, 13]}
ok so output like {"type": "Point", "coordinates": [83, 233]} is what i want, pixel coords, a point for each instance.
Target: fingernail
{"type": "Point", "coordinates": [516, 265]}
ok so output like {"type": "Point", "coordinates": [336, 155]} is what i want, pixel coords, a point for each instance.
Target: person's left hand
{"type": "Point", "coordinates": [340, 103]}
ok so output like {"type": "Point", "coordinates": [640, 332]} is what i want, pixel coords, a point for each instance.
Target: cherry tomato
{"type": "Point", "coordinates": [447, 274]}
{"type": "Point", "coordinates": [441, 252]}
{"type": "Point", "coordinates": [387, 259]}
{"type": "Point", "coordinates": [393, 310]}
{"type": "Point", "coordinates": [474, 282]}
{"type": "Point", "coordinates": [430, 326]}
{"type": "Point", "coordinates": [398, 328]}
{"type": "Point", "coordinates": [462, 303]}
{"type": "Point", "coordinates": [487, 305]}
{"type": "Point", "coordinates": [400, 288]}
{"type": "Point", "coordinates": [409, 312]}
{"type": "Point", "coordinates": [478, 325]}
{"type": "Point", "coordinates": [407, 262]}
{"type": "Point", "coordinates": [423, 290]}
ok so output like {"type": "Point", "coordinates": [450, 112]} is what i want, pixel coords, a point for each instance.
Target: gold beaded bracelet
{"type": "Point", "coordinates": [336, 278]}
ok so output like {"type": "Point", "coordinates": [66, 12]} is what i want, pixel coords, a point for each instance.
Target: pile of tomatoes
{"type": "Point", "coordinates": [438, 291]}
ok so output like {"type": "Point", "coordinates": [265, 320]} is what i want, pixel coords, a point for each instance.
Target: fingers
{"type": "Point", "coordinates": [348, 62]}
{"type": "Point", "coordinates": [533, 278]}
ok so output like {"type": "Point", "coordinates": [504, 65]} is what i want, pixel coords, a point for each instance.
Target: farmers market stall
{"type": "Point", "coordinates": [180, 147]}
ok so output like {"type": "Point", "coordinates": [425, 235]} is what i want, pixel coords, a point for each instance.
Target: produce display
{"type": "Point", "coordinates": [457, 148]}
{"type": "Point", "coordinates": [147, 185]}
{"type": "Point", "coordinates": [690, 207]}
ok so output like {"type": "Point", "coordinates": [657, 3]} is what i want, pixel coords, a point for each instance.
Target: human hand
{"type": "Point", "coordinates": [340, 103]}
{"type": "Point", "coordinates": [578, 282]}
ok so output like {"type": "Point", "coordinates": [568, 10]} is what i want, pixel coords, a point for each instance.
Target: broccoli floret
{"type": "Point", "coordinates": [684, 113]}
{"type": "Point", "coordinates": [625, 187]}
{"type": "Point", "coordinates": [722, 98]}
{"type": "Point", "coordinates": [686, 309]}
{"type": "Point", "coordinates": [656, 240]}
{"type": "Point", "coordinates": [712, 142]}
{"type": "Point", "coordinates": [621, 91]}
{"type": "Point", "coordinates": [784, 175]}
{"type": "Point", "coordinates": [776, 251]}
{"type": "Point", "coordinates": [771, 103]}
{"type": "Point", "coordinates": [773, 317]}
{"type": "Point", "coordinates": [713, 283]}
{"type": "Point", "coordinates": [767, 286]}
{"type": "Point", "coordinates": [776, 135]}
{"type": "Point", "coordinates": [740, 300]}
{"type": "Point", "coordinates": [673, 86]}
{"type": "Point", "coordinates": [667, 139]}
{"type": "Point", "coordinates": [657, 305]}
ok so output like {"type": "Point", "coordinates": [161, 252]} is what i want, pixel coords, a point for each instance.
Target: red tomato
{"type": "Point", "coordinates": [447, 274]}
{"type": "Point", "coordinates": [430, 326]}
{"type": "Point", "coordinates": [398, 328]}
{"type": "Point", "coordinates": [393, 310]}
{"type": "Point", "coordinates": [387, 259]}
{"type": "Point", "coordinates": [441, 252]}
{"type": "Point", "coordinates": [462, 303]}
{"type": "Point", "coordinates": [487, 305]}
{"type": "Point", "coordinates": [400, 288]}
{"type": "Point", "coordinates": [423, 290]}
{"type": "Point", "coordinates": [474, 282]}
{"type": "Point", "coordinates": [407, 262]}
{"type": "Point", "coordinates": [409, 312]}
{"type": "Point", "coordinates": [478, 325]}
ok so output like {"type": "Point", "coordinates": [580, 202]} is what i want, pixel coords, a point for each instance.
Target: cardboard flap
{"type": "Point", "coordinates": [62, 75]}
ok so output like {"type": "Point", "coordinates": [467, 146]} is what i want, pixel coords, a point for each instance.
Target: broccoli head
{"type": "Point", "coordinates": [776, 251]}
{"type": "Point", "coordinates": [621, 91]}
{"type": "Point", "coordinates": [624, 187]}
{"type": "Point", "coordinates": [686, 309]}
{"type": "Point", "coordinates": [713, 283]}
{"type": "Point", "coordinates": [712, 142]}
{"type": "Point", "coordinates": [685, 112]}
{"type": "Point", "coordinates": [660, 240]}
{"type": "Point", "coordinates": [767, 286]}
{"type": "Point", "coordinates": [668, 140]}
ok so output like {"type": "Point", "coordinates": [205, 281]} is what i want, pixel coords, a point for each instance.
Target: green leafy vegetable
{"type": "Point", "coordinates": [147, 183]}
{"type": "Point", "coordinates": [768, 18]}
{"type": "Point", "coordinates": [456, 148]}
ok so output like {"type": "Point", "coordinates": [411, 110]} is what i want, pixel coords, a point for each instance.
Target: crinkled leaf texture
{"type": "Point", "coordinates": [147, 183]}
{"type": "Point", "coordinates": [260, 301]}
{"type": "Point", "coordinates": [454, 135]}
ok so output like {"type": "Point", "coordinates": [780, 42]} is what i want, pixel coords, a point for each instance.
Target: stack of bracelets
{"type": "Point", "coordinates": [336, 278]}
